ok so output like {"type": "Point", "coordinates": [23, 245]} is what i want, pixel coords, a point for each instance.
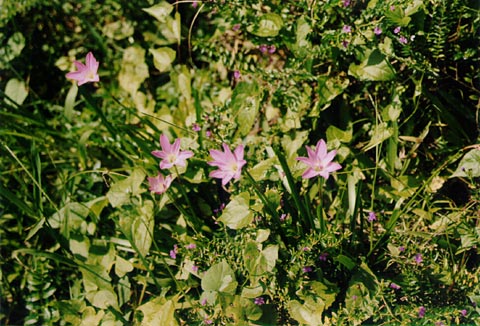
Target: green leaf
{"type": "Point", "coordinates": [70, 101]}
{"type": "Point", "coordinates": [158, 311]}
{"type": "Point", "coordinates": [268, 25]}
{"type": "Point", "coordinates": [134, 69]}
{"type": "Point", "coordinates": [160, 11]}
{"type": "Point", "coordinates": [220, 278]}
{"type": "Point", "coordinates": [104, 299]}
{"type": "Point", "coordinates": [245, 105]}
{"type": "Point", "coordinates": [374, 67]}
{"type": "Point", "coordinates": [122, 191]}
{"type": "Point", "coordinates": [16, 91]}
{"type": "Point", "coordinates": [329, 88]}
{"type": "Point", "coordinates": [142, 228]}
{"type": "Point", "coordinates": [308, 313]}
{"type": "Point", "coordinates": [469, 166]}
{"type": "Point", "coordinates": [302, 45]}
{"type": "Point", "coordinates": [237, 213]}
{"type": "Point", "coordinates": [381, 132]}
{"type": "Point", "coordinates": [70, 217]}
{"type": "Point", "coordinates": [163, 58]}
{"type": "Point", "coordinates": [122, 266]}
{"type": "Point", "coordinates": [345, 261]}
{"type": "Point", "coordinates": [397, 16]}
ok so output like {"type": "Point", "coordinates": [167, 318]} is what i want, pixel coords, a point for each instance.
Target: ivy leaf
{"type": "Point", "coordinates": [220, 278]}
{"type": "Point", "coordinates": [121, 192]}
{"type": "Point", "coordinates": [268, 25]}
{"type": "Point", "coordinates": [374, 67]}
{"type": "Point", "coordinates": [158, 311]}
{"type": "Point", "coordinates": [16, 91]}
{"type": "Point", "coordinates": [160, 11]}
{"type": "Point", "coordinates": [469, 166]}
{"type": "Point", "coordinates": [245, 105]}
{"type": "Point", "coordinates": [163, 58]}
{"type": "Point", "coordinates": [237, 213]}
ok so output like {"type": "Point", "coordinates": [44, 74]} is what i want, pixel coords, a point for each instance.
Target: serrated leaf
{"type": "Point", "coordinates": [268, 25]}
{"type": "Point", "coordinates": [469, 166]}
{"type": "Point", "coordinates": [237, 213]}
{"type": "Point", "coordinates": [374, 67]}
{"type": "Point", "coordinates": [16, 91]}
{"type": "Point", "coordinates": [160, 11]}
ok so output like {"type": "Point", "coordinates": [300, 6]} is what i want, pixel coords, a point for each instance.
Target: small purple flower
{"type": "Point", "coordinates": [392, 8]}
{"type": "Point", "coordinates": [219, 209]}
{"type": "Point", "coordinates": [347, 29]}
{"type": "Point", "coordinates": [272, 49]}
{"type": "Point", "coordinates": [323, 256]}
{"type": "Point", "coordinates": [439, 323]}
{"type": "Point", "coordinates": [195, 268]}
{"type": "Point", "coordinates": [421, 311]}
{"type": "Point", "coordinates": [463, 312]}
{"type": "Point", "coordinates": [203, 302]}
{"type": "Point", "coordinates": [345, 44]}
{"type": "Point", "coordinates": [191, 246]}
{"type": "Point", "coordinates": [208, 133]}
{"type": "Point", "coordinates": [196, 127]}
{"type": "Point", "coordinates": [236, 27]}
{"type": "Point", "coordinates": [305, 249]}
{"type": "Point", "coordinates": [307, 269]}
{"type": "Point", "coordinates": [377, 30]}
{"type": "Point", "coordinates": [195, 4]}
{"type": "Point", "coordinates": [283, 217]}
{"type": "Point", "coordinates": [173, 252]}
{"type": "Point", "coordinates": [394, 286]}
{"type": "Point", "coordinates": [346, 3]}
{"type": "Point", "coordinates": [354, 297]}
{"type": "Point", "coordinates": [372, 217]}
{"type": "Point", "coordinates": [208, 321]}
{"type": "Point", "coordinates": [236, 75]}
{"type": "Point", "coordinates": [397, 30]}
{"type": "Point", "coordinates": [259, 301]}
{"type": "Point", "coordinates": [263, 48]}
{"type": "Point", "coordinates": [418, 258]}
{"type": "Point", "coordinates": [403, 40]}
{"type": "Point", "coordinates": [401, 248]}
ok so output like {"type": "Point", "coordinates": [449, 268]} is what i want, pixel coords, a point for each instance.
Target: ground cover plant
{"type": "Point", "coordinates": [240, 162]}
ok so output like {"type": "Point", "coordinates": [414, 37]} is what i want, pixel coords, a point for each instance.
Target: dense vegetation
{"type": "Point", "coordinates": [299, 162]}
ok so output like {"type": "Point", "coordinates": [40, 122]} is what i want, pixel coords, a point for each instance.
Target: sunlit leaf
{"type": "Point", "coordinates": [268, 25]}
{"type": "Point", "coordinates": [469, 166]}
{"type": "Point", "coordinates": [381, 132]}
{"type": "Point", "coordinates": [158, 311]}
{"type": "Point", "coordinates": [163, 58]}
{"type": "Point", "coordinates": [122, 191]}
{"type": "Point", "coordinates": [219, 278]}
{"type": "Point", "coordinates": [16, 90]}
{"type": "Point", "coordinates": [160, 11]}
{"type": "Point", "coordinates": [134, 69]}
{"type": "Point", "coordinates": [237, 213]}
{"type": "Point", "coordinates": [374, 67]}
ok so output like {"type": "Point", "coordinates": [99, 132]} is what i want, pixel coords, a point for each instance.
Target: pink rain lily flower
{"type": "Point", "coordinates": [171, 155]}
{"type": "Point", "coordinates": [229, 164]}
{"type": "Point", "coordinates": [85, 72]}
{"type": "Point", "coordinates": [160, 184]}
{"type": "Point", "coordinates": [319, 161]}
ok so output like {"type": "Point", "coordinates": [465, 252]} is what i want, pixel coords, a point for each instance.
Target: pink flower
{"type": "Point", "coordinates": [237, 75]}
{"type": "Point", "coordinates": [403, 40]}
{"type": "Point", "coordinates": [421, 311]}
{"type": "Point", "coordinates": [85, 72]}
{"type": "Point", "coordinates": [174, 252]}
{"type": "Point", "coordinates": [171, 154]}
{"type": "Point", "coordinates": [229, 164]}
{"type": "Point", "coordinates": [319, 161]}
{"type": "Point", "coordinates": [394, 286]}
{"type": "Point", "coordinates": [160, 184]}
{"type": "Point", "coordinates": [372, 216]}
{"type": "Point", "coordinates": [196, 127]}
{"type": "Point", "coordinates": [191, 246]}
{"type": "Point", "coordinates": [377, 30]}
{"type": "Point", "coordinates": [347, 29]}
{"type": "Point", "coordinates": [397, 30]}
{"type": "Point", "coordinates": [259, 301]}
{"type": "Point", "coordinates": [418, 258]}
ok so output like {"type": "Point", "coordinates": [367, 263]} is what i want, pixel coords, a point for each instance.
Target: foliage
{"type": "Point", "coordinates": [390, 238]}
